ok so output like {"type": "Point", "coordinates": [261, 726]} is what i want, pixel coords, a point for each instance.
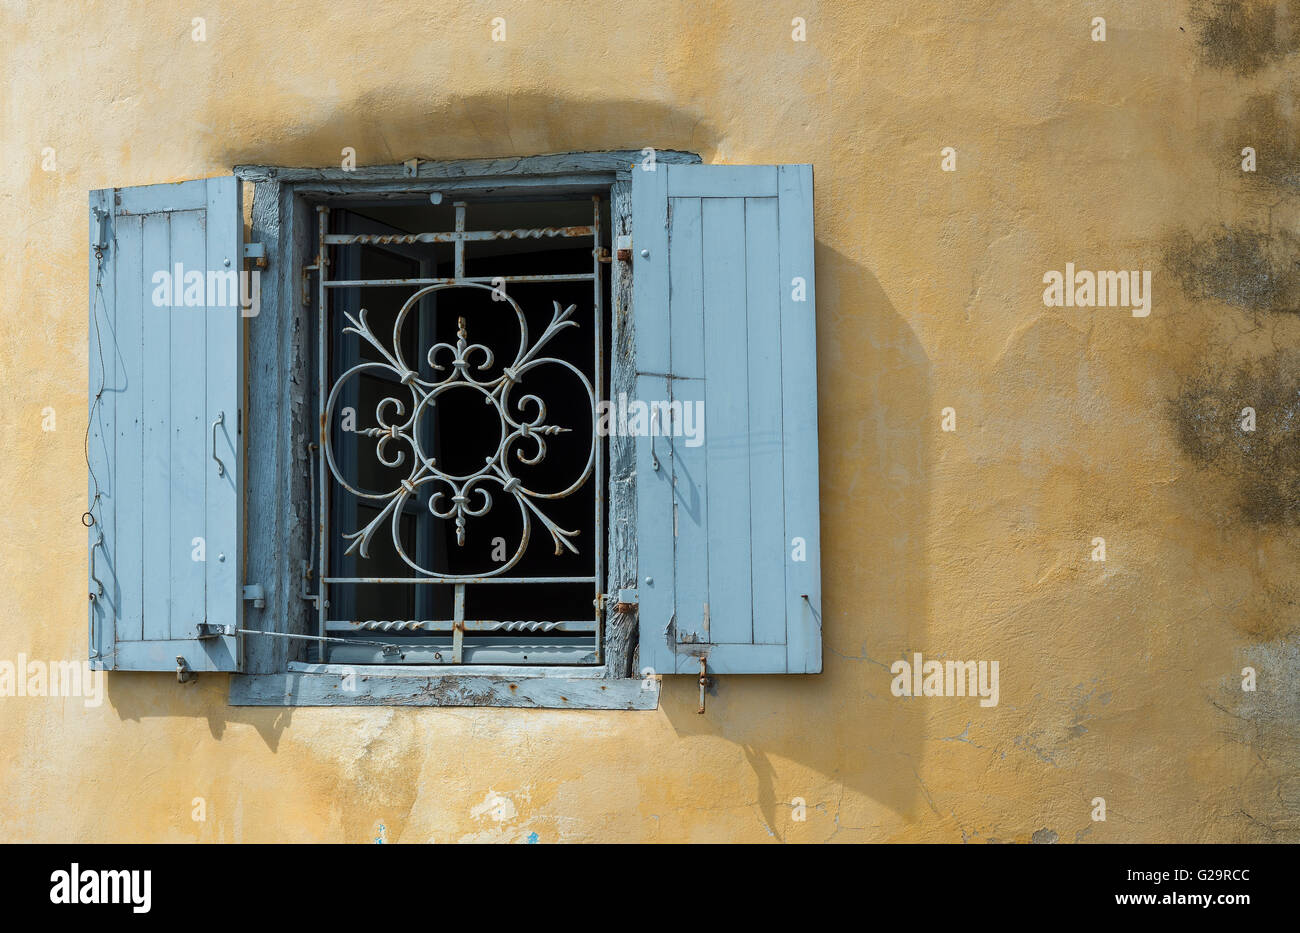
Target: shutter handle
{"type": "Point", "coordinates": [654, 429]}
{"type": "Point", "coordinates": [221, 467]}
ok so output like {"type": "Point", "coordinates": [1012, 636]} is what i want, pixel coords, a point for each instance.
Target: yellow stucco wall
{"type": "Point", "coordinates": [1119, 679]}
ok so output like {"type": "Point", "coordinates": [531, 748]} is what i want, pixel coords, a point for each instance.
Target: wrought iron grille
{"type": "Point", "coordinates": [514, 394]}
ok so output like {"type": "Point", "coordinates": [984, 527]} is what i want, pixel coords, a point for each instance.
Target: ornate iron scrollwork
{"type": "Point", "coordinates": [459, 497]}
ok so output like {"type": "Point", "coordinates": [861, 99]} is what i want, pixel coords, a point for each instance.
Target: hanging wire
{"type": "Point", "coordinates": [88, 517]}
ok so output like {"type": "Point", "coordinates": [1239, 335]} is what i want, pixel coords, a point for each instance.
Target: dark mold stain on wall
{"type": "Point", "coordinates": [1253, 267]}
{"type": "Point", "coordinates": [1270, 124]}
{"type": "Point", "coordinates": [1263, 464]}
{"type": "Point", "coordinates": [1245, 35]}
{"type": "Point", "coordinates": [1244, 267]}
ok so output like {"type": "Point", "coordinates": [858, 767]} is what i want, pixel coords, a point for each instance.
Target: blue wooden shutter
{"type": "Point", "coordinates": [723, 304]}
{"type": "Point", "coordinates": [169, 410]}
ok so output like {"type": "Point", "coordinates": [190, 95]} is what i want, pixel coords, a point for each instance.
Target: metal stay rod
{"type": "Point", "coordinates": [598, 315]}
{"type": "Point", "coordinates": [409, 239]}
{"type": "Point", "coordinates": [322, 316]}
{"type": "Point", "coordinates": [457, 581]}
{"type": "Point", "coordinates": [367, 283]}
{"type": "Point", "coordinates": [338, 641]}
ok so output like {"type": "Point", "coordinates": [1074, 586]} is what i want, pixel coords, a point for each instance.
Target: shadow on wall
{"type": "Point", "coordinates": [874, 401]}
{"type": "Point", "coordinates": [392, 125]}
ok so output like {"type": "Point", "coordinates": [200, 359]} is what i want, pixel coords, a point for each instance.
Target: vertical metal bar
{"type": "Point", "coordinates": [599, 383]}
{"type": "Point", "coordinates": [458, 626]}
{"type": "Point", "coordinates": [322, 365]}
{"type": "Point", "coordinates": [460, 240]}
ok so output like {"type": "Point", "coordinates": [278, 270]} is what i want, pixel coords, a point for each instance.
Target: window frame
{"type": "Point", "coordinates": [279, 422]}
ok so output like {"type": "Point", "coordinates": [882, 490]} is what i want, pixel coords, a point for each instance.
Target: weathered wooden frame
{"type": "Point", "coordinates": [279, 420]}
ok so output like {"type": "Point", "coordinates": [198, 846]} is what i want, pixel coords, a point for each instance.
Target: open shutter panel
{"type": "Point", "coordinates": [727, 529]}
{"type": "Point", "coordinates": [165, 452]}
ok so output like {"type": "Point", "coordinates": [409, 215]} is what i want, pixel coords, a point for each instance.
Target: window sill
{"type": "Point", "coordinates": [372, 685]}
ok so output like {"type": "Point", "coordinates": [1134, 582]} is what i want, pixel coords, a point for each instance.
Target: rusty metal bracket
{"type": "Point", "coordinates": [255, 253]}
{"type": "Point", "coordinates": [627, 600]}
{"type": "Point", "coordinates": [623, 248]}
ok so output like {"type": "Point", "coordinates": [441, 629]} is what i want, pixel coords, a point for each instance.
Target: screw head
{"type": "Point", "coordinates": [222, 558]}
{"type": "Point", "coordinates": [649, 581]}
{"type": "Point", "coordinates": [645, 254]}
{"type": "Point", "coordinates": [227, 262]}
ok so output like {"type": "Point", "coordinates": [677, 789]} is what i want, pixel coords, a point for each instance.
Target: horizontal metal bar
{"type": "Point", "coordinates": [489, 279]}
{"type": "Point", "coordinates": [583, 672]}
{"type": "Point", "coordinates": [452, 581]}
{"type": "Point", "coordinates": [342, 641]}
{"type": "Point", "coordinates": [469, 625]}
{"type": "Point", "coordinates": [388, 239]}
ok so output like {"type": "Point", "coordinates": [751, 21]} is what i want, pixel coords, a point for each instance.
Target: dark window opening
{"type": "Point", "coordinates": [463, 518]}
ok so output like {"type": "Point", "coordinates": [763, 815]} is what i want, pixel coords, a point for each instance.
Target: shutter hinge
{"type": "Point", "coordinates": [101, 238]}
{"type": "Point", "coordinates": [627, 600]}
{"type": "Point", "coordinates": [255, 253]}
{"type": "Point", "coordinates": [623, 248]}
{"type": "Point", "coordinates": [253, 592]}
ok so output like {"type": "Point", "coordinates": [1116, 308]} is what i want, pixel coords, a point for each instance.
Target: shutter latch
{"type": "Point", "coordinates": [256, 254]}
{"type": "Point", "coordinates": [211, 630]}
{"type": "Point", "coordinates": [184, 674]}
{"type": "Point", "coordinates": [101, 238]}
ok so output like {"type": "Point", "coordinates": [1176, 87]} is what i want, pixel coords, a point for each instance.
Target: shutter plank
{"type": "Point", "coordinates": [766, 484]}
{"type": "Point", "coordinates": [799, 412]}
{"type": "Point", "coordinates": [719, 181]}
{"type": "Point", "coordinates": [687, 464]}
{"type": "Point", "coordinates": [128, 400]}
{"type": "Point", "coordinates": [156, 563]}
{"type": "Point", "coordinates": [726, 432]}
{"type": "Point", "coordinates": [189, 442]}
{"type": "Point", "coordinates": [224, 394]}
{"type": "Point", "coordinates": [650, 283]}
